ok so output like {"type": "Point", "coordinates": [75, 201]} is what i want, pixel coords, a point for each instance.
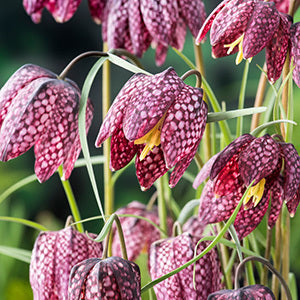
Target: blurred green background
{"type": "Point", "coordinates": [52, 46]}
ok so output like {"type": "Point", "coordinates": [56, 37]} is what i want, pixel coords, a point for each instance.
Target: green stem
{"type": "Point", "coordinates": [249, 267]}
{"type": "Point", "coordinates": [107, 174]}
{"type": "Point", "coordinates": [162, 209]}
{"type": "Point", "coordinates": [121, 237]}
{"type": "Point", "coordinates": [71, 199]}
{"type": "Point", "coordinates": [28, 223]}
{"type": "Point", "coordinates": [239, 124]}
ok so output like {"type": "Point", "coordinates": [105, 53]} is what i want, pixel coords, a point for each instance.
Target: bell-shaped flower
{"type": "Point", "coordinates": [37, 108]}
{"type": "Point", "coordinates": [257, 292]}
{"type": "Point", "coordinates": [295, 51]}
{"type": "Point", "coordinates": [53, 256]}
{"type": "Point", "coordinates": [171, 253]}
{"type": "Point", "coordinates": [134, 24]}
{"type": "Point", "coordinates": [111, 278]}
{"type": "Point", "coordinates": [139, 234]}
{"type": "Point", "coordinates": [273, 165]}
{"type": "Point", "coordinates": [247, 27]}
{"type": "Point", "coordinates": [159, 118]}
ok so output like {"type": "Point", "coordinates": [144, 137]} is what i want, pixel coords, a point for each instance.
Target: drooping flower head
{"type": "Point", "coordinates": [134, 24]}
{"type": "Point", "coordinates": [111, 278]}
{"type": "Point", "coordinates": [37, 108]}
{"type": "Point", "coordinates": [169, 254]}
{"type": "Point", "coordinates": [138, 234]}
{"type": "Point", "coordinates": [273, 165]}
{"type": "Point", "coordinates": [53, 256]}
{"type": "Point", "coordinates": [247, 27]}
{"type": "Point", "coordinates": [257, 292]}
{"type": "Point", "coordinates": [159, 118]}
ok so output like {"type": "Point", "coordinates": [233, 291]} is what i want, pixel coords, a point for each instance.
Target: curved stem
{"type": "Point", "coordinates": [71, 199]}
{"type": "Point", "coordinates": [162, 209]}
{"type": "Point", "coordinates": [65, 71]}
{"type": "Point", "coordinates": [130, 56]}
{"type": "Point", "coordinates": [121, 237]}
{"type": "Point", "coordinates": [269, 266]}
{"type": "Point", "coordinates": [193, 72]}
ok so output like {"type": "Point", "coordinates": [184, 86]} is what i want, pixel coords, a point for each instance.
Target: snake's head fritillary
{"type": "Point", "coordinates": [38, 109]}
{"type": "Point", "coordinates": [111, 278]}
{"type": "Point", "coordinates": [53, 256]}
{"type": "Point", "coordinates": [159, 118]}
{"type": "Point", "coordinates": [257, 292]}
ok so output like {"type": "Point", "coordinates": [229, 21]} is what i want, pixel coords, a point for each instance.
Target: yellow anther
{"type": "Point", "coordinates": [255, 193]}
{"type": "Point", "coordinates": [237, 42]}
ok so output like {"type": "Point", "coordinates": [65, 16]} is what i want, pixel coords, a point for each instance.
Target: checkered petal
{"type": "Point", "coordinates": [53, 256]}
{"type": "Point", "coordinates": [62, 10]}
{"type": "Point", "coordinates": [228, 152]}
{"type": "Point", "coordinates": [264, 22]}
{"type": "Point", "coordinates": [293, 203]}
{"type": "Point", "coordinates": [193, 12]}
{"type": "Point", "coordinates": [259, 159]}
{"type": "Point", "coordinates": [179, 35]}
{"type": "Point", "coordinates": [17, 82]}
{"type": "Point", "coordinates": [161, 52]}
{"type": "Point", "coordinates": [276, 50]}
{"type": "Point", "coordinates": [257, 292]}
{"type": "Point", "coordinates": [97, 8]}
{"type": "Point", "coordinates": [277, 195]}
{"type": "Point", "coordinates": [61, 130]}
{"type": "Point", "coordinates": [184, 125]}
{"type": "Point", "coordinates": [160, 18]}
{"type": "Point", "coordinates": [117, 24]}
{"type": "Point", "coordinates": [150, 168]}
{"type": "Point", "coordinates": [209, 21]}
{"type": "Point", "coordinates": [34, 8]}
{"type": "Point", "coordinates": [214, 209]}
{"type": "Point", "coordinates": [149, 103]}
{"type": "Point", "coordinates": [291, 170]}
{"type": "Point", "coordinates": [115, 115]}
{"type": "Point", "coordinates": [140, 36]}
{"type": "Point", "coordinates": [295, 51]}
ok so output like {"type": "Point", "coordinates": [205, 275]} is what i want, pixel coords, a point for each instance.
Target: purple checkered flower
{"type": "Point", "coordinates": [275, 168]}
{"type": "Point", "coordinates": [134, 24]}
{"type": "Point", "coordinates": [53, 256]}
{"type": "Point", "coordinates": [62, 10]}
{"type": "Point", "coordinates": [138, 234]}
{"type": "Point", "coordinates": [283, 5]}
{"type": "Point", "coordinates": [247, 27]}
{"type": "Point", "coordinates": [111, 278]}
{"type": "Point", "coordinates": [169, 254]}
{"type": "Point", "coordinates": [37, 108]}
{"type": "Point", "coordinates": [295, 51]}
{"type": "Point", "coordinates": [159, 118]}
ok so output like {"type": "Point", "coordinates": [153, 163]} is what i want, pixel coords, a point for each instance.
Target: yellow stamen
{"type": "Point", "coordinates": [255, 192]}
{"type": "Point", "coordinates": [151, 139]}
{"type": "Point", "coordinates": [231, 46]}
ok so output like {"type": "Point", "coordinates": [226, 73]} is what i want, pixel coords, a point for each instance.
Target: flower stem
{"type": "Point", "coordinates": [162, 209]}
{"type": "Point", "coordinates": [107, 174]}
{"type": "Point", "coordinates": [71, 199]}
{"type": "Point", "coordinates": [267, 255]}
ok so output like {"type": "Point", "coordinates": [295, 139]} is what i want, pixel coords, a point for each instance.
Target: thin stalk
{"type": "Point", "coordinates": [162, 209]}
{"type": "Point", "coordinates": [239, 123]}
{"type": "Point", "coordinates": [71, 199]}
{"type": "Point", "coordinates": [259, 97]}
{"type": "Point", "coordinates": [107, 174]}
{"type": "Point", "coordinates": [267, 255]}
{"type": "Point", "coordinates": [249, 267]}
{"type": "Point", "coordinates": [121, 238]}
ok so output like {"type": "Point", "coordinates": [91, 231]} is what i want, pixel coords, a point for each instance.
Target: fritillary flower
{"type": "Point", "coordinates": [273, 165]}
{"type": "Point", "coordinates": [159, 118]}
{"type": "Point", "coordinates": [247, 27]}
{"type": "Point", "coordinates": [283, 5]}
{"type": "Point", "coordinates": [53, 256]}
{"type": "Point", "coordinates": [169, 254]}
{"type": "Point", "coordinates": [257, 292]}
{"type": "Point", "coordinates": [37, 108]}
{"type": "Point", "coordinates": [138, 234]}
{"type": "Point", "coordinates": [111, 278]}
{"type": "Point", "coordinates": [295, 51]}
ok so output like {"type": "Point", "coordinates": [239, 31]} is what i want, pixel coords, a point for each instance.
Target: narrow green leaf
{"type": "Point", "coordinates": [220, 116]}
{"type": "Point", "coordinates": [293, 285]}
{"type": "Point", "coordinates": [20, 254]}
{"type": "Point", "coordinates": [24, 222]}
{"type": "Point", "coordinates": [188, 210]}
{"type": "Point", "coordinates": [105, 229]}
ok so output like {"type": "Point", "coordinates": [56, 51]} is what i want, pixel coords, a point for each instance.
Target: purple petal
{"type": "Point", "coordinates": [277, 48]}
{"type": "Point", "coordinates": [295, 51]}
{"type": "Point", "coordinates": [276, 201]}
{"type": "Point", "coordinates": [194, 227]}
{"type": "Point", "coordinates": [262, 25]}
{"type": "Point", "coordinates": [205, 171]}
{"type": "Point", "coordinates": [193, 12]}
{"type": "Point", "coordinates": [291, 170]}
{"type": "Point", "coordinates": [150, 101]}
{"type": "Point", "coordinates": [160, 18]}
{"type": "Point", "coordinates": [34, 8]}
{"type": "Point", "coordinates": [115, 115]}
{"type": "Point", "coordinates": [184, 125]}
{"type": "Point", "coordinates": [150, 168]}
{"type": "Point", "coordinates": [228, 152]}
{"type": "Point", "coordinates": [293, 203]}
{"type": "Point", "coordinates": [97, 10]}
{"type": "Point", "coordinates": [161, 52]}
{"type": "Point", "coordinates": [179, 35]}
{"type": "Point", "coordinates": [259, 159]}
